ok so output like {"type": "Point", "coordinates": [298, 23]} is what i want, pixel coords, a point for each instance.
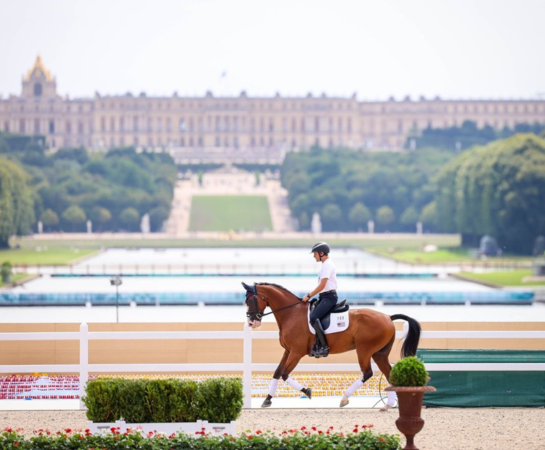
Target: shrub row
{"type": "Point", "coordinates": [364, 439]}
{"type": "Point", "coordinates": [167, 400]}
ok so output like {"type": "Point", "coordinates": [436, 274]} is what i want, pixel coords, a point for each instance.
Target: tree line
{"type": "Point", "coordinates": [467, 135]}
{"type": "Point", "coordinates": [348, 188]}
{"type": "Point", "coordinates": [66, 188]}
{"type": "Point", "coordinates": [496, 190]}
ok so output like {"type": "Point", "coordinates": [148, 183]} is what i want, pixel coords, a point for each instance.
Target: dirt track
{"type": "Point", "coordinates": [445, 428]}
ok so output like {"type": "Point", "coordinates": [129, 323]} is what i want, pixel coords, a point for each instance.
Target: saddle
{"type": "Point", "coordinates": [340, 318]}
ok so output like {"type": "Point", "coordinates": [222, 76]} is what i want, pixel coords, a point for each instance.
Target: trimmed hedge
{"type": "Point", "coordinates": [157, 401]}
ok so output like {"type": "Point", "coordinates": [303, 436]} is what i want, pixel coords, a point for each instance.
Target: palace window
{"type": "Point", "coordinates": [218, 141]}
{"type": "Point", "coordinates": [169, 127]}
{"type": "Point", "coordinates": [51, 127]}
{"type": "Point", "coordinates": [182, 142]}
{"type": "Point", "coordinates": [102, 124]}
{"type": "Point", "coordinates": [340, 124]}
{"type": "Point", "coordinates": [68, 127]}
{"type": "Point", "coordinates": [112, 124]}
{"type": "Point", "coordinates": [122, 124]}
{"type": "Point", "coordinates": [150, 141]}
{"type": "Point", "coordinates": [6, 126]}
{"type": "Point", "coordinates": [316, 124]}
{"type": "Point", "coordinates": [349, 125]}
{"type": "Point", "coordinates": [293, 125]}
{"type": "Point", "coordinates": [37, 89]}
{"type": "Point", "coordinates": [135, 123]}
{"type": "Point", "coordinates": [80, 127]}
{"type": "Point", "coordinates": [271, 125]}
{"type": "Point", "coordinates": [36, 126]}
{"type": "Point", "coordinates": [159, 125]}
{"type": "Point", "coordinates": [182, 125]}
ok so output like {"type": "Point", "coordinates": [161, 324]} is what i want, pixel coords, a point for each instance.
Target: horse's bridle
{"type": "Point", "coordinates": [258, 313]}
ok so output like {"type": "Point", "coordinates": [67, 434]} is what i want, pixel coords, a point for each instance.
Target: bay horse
{"type": "Point", "coordinates": [370, 333]}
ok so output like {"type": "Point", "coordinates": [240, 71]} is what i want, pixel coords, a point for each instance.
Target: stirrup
{"type": "Point", "coordinates": [321, 352]}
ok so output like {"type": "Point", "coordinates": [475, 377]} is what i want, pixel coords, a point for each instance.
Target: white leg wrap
{"type": "Point", "coordinates": [273, 386]}
{"type": "Point", "coordinates": [355, 386]}
{"type": "Point", "coordinates": [294, 384]}
{"type": "Point", "coordinates": [392, 397]}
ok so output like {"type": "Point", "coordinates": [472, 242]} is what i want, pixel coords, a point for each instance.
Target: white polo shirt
{"type": "Point", "coordinates": [328, 271]}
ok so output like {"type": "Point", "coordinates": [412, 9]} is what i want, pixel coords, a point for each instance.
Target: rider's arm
{"type": "Point", "coordinates": [320, 288]}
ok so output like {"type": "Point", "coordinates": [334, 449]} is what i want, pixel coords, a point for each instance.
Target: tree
{"type": "Point", "coordinates": [331, 217]}
{"type": "Point", "coordinates": [359, 215]}
{"type": "Point", "coordinates": [158, 216]}
{"type": "Point", "coordinates": [429, 215]}
{"type": "Point", "coordinates": [409, 217]}
{"type": "Point", "coordinates": [16, 202]}
{"type": "Point", "coordinates": [49, 218]}
{"type": "Point", "coordinates": [74, 215]}
{"type": "Point", "coordinates": [130, 219]}
{"type": "Point", "coordinates": [385, 216]}
{"type": "Point", "coordinates": [100, 216]}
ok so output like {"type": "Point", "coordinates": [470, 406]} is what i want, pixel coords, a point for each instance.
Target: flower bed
{"type": "Point", "coordinates": [362, 438]}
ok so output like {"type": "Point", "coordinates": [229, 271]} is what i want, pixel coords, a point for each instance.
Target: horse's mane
{"type": "Point", "coordinates": [277, 286]}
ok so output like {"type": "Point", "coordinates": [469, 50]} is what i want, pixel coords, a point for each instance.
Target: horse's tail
{"type": "Point", "coordinates": [413, 336]}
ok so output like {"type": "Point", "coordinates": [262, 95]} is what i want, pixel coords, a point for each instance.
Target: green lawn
{"type": "Point", "coordinates": [510, 278]}
{"type": "Point", "coordinates": [41, 253]}
{"type": "Point", "coordinates": [15, 277]}
{"type": "Point", "coordinates": [230, 212]}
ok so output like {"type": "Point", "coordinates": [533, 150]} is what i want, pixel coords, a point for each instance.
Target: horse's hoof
{"type": "Point", "coordinates": [386, 408]}
{"type": "Point", "coordinates": [344, 402]}
{"type": "Point", "coordinates": [266, 403]}
{"type": "Point", "coordinates": [307, 392]}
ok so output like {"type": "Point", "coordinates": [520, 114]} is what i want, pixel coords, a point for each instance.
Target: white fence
{"type": "Point", "coordinates": [246, 367]}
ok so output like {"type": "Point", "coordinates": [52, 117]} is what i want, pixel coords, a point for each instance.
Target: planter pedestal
{"type": "Point", "coordinates": [410, 407]}
{"type": "Point", "coordinates": [168, 428]}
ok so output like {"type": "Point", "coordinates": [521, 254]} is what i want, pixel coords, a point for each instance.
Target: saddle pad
{"type": "Point", "coordinates": [339, 322]}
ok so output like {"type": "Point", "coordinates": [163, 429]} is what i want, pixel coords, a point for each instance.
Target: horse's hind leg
{"type": "Point", "coordinates": [274, 382]}
{"type": "Point", "coordinates": [364, 359]}
{"type": "Point", "coordinates": [383, 363]}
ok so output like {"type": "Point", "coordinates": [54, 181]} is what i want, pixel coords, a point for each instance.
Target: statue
{"type": "Point", "coordinates": [488, 246]}
{"type": "Point", "coordinates": [370, 227]}
{"type": "Point", "coordinates": [144, 224]}
{"type": "Point", "coordinates": [89, 227]}
{"type": "Point", "coordinates": [418, 227]}
{"type": "Point", "coordinates": [40, 227]}
{"type": "Point", "coordinates": [316, 224]}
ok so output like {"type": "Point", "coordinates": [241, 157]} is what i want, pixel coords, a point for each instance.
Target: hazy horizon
{"type": "Point", "coordinates": [453, 49]}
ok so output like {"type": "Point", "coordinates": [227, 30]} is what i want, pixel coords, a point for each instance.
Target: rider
{"type": "Point", "coordinates": [327, 288]}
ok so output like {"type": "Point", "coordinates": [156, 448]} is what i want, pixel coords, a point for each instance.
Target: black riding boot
{"type": "Point", "coordinates": [322, 349]}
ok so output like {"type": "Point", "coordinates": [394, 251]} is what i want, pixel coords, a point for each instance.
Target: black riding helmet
{"type": "Point", "coordinates": [321, 247]}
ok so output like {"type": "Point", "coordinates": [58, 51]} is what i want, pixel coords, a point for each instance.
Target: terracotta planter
{"type": "Point", "coordinates": [410, 406]}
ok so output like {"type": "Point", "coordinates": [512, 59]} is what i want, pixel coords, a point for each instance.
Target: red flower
{"type": "Point", "coordinates": [313, 428]}
{"type": "Point", "coordinates": [320, 431]}
{"type": "Point", "coordinates": [258, 432]}
{"type": "Point", "coordinates": [16, 444]}
{"type": "Point", "coordinates": [355, 430]}
{"type": "Point", "coordinates": [67, 430]}
{"type": "Point", "coordinates": [250, 437]}
{"type": "Point", "coordinates": [382, 439]}
{"type": "Point", "coordinates": [303, 428]}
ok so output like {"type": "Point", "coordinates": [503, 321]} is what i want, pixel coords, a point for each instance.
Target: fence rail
{"type": "Point", "coordinates": [246, 367]}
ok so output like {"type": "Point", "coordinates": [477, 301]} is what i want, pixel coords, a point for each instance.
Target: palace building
{"type": "Point", "coordinates": [247, 123]}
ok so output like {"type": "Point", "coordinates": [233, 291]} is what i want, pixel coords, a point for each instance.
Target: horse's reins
{"type": "Point", "coordinates": [258, 313]}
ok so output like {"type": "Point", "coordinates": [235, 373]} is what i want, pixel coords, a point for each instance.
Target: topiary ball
{"type": "Point", "coordinates": [409, 371]}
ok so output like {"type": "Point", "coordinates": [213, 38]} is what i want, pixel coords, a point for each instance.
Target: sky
{"type": "Point", "coordinates": [375, 48]}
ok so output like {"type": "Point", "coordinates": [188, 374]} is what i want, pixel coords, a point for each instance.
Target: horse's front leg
{"type": "Point", "coordinates": [291, 363]}
{"type": "Point", "coordinates": [274, 383]}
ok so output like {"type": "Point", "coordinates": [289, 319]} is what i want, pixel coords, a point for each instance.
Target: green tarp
{"type": "Point", "coordinates": [485, 389]}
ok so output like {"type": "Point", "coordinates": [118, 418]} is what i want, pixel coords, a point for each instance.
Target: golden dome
{"type": "Point", "coordinates": [38, 70]}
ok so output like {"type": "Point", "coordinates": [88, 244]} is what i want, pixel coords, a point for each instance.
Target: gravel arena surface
{"type": "Point", "coordinates": [445, 428]}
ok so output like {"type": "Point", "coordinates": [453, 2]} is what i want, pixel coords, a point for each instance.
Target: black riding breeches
{"type": "Point", "coordinates": [326, 303]}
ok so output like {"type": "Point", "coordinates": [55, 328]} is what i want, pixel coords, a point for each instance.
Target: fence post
{"type": "Point", "coordinates": [247, 366]}
{"type": "Point", "coordinates": [83, 361]}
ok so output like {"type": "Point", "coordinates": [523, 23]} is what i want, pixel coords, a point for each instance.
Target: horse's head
{"type": "Point", "coordinates": [255, 304]}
